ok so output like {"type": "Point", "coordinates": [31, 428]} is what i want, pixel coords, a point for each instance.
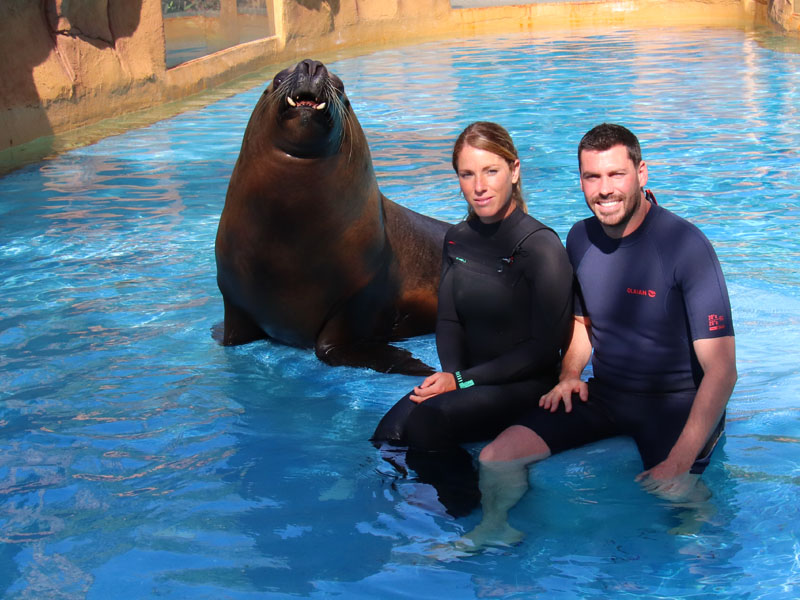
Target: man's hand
{"type": "Point", "coordinates": [670, 478]}
{"type": "Point", "coordinates": [576, 357]}
{"type": "Point", "coordinates": [563, 392]}
{"type": "Point", "coordinates": [668, 481]}
{"type": "Point", "coordinates": [435, 384]}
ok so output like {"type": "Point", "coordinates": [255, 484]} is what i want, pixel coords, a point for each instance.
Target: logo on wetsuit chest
{"type": "Point", "coordinates": [638, 292]}
{"type": "Point", "coordinates": [499, 265]}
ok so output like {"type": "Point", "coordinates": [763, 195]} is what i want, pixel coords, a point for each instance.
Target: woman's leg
{"type": "Point", "coordinates": [474, 414]}
{"type": "Point", "coordinates": [437, 459]}
{"type": "Point", "coordinates": [392, 427]}
{"type": "Point", "coordinates": [433, 430]}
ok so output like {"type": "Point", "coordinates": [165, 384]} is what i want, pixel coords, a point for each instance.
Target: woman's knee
{"type": "Point", "coordinates": [392, 427]}
{"type": "Point", "coordinates": [515, 443]}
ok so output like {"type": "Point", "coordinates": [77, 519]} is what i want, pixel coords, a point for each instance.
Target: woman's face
{"type": "Point", "coordinates": [486, 181]}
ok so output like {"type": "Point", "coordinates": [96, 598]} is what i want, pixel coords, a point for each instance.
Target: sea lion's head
{"type": "Point", "coordinates": [311, 109]}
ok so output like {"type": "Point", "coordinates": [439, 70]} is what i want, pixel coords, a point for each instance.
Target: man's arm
{"type": "Point", "coordinates": [576, 357]}
{"type": "Point", "coordinates": [717, 357]}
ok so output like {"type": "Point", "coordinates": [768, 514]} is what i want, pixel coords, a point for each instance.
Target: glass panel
{"type": "Point", "coordinates": [196, 28]}
{"type": "Point", "coordinates": [189, 7]}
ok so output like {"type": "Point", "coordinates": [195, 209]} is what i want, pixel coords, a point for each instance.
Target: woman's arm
{"type": "Point", "coordinates": [450, 336]}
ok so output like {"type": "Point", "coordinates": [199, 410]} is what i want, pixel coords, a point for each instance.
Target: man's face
{"type": "Point", "coordinates": [612, 186]}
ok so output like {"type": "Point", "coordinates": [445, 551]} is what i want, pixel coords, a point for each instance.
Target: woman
{"type": "Point", "coordinates": [505, 306]}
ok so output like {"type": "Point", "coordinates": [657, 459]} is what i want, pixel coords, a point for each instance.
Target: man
{"type": "Point", "coordinates": [652, 312]}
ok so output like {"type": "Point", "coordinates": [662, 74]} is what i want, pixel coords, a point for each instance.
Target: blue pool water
{"type": "Point", "coordinates": [139, 459]}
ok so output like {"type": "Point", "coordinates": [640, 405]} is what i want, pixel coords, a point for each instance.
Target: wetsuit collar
{"type": "Point", "coordinates": [489, 230]}
{"type": "Point", "coordinates": [641, 231]}
{"type": "Point", "coordinates": [607, 244]}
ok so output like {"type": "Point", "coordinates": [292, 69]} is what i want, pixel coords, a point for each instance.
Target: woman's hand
{"type": "Point", "coordinates": [435, 384]}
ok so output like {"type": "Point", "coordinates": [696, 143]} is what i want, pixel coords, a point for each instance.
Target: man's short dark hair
{"type": "Point", "coordinates": [607, 135]}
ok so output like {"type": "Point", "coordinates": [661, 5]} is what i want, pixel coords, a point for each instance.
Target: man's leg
{"type": "Point", "coordinates": [655, 432]}
{"type": "Point", "coordinates": [503, 481]}
{"type": "Point", "coordinates": [535, 436]}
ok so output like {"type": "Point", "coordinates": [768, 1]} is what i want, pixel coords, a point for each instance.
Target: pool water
{"type": "Point", "coordinates": [140, 459]}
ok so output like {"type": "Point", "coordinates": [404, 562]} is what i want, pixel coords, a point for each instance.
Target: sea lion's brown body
{"type": "Point", "coordinates": [309, 252]}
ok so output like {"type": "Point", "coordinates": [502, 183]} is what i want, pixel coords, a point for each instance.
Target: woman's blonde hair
{"type": "Point", "coordinates": [493, 138]}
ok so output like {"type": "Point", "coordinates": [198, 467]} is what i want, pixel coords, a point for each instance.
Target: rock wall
{"type": "Point", "coordinates": [68, 63]}
{"type": "Point", "coordinates": [783, 14]}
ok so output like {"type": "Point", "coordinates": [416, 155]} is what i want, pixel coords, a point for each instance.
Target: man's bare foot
{"type": "Point", "coordinates": [490, 534]}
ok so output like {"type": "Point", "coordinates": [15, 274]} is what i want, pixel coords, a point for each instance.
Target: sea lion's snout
{"type": "Point", "coordinates": [308, 84]}
{"type": "Point", "coordinates": [314, 70]}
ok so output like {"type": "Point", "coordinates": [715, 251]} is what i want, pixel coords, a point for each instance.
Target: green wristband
{"type": "Point", "coordinates": [461, 383]}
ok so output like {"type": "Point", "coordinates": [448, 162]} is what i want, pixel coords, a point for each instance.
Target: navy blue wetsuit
{"type": "Point", "coordinates": [648, 296]}
{"type": "Point", "coordinates": [504, 314]}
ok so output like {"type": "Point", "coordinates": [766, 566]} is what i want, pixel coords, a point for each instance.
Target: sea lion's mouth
{"type": "Point", "coordinates": [301, 101]}
{"type": "Point", "coordinates": [308, 89]}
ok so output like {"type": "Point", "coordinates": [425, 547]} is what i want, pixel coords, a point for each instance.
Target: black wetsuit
{"type": "Point", "coordinates": [505, 306]}
{"type": "Point", "coordinates": [648, 295]}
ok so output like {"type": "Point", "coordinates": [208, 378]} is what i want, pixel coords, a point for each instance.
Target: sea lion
{"type": "Point", "coordinates": [309, 252]}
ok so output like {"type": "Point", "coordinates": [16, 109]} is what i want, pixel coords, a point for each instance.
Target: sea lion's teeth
{"type": "Point", "coordinates": [290, 101]}
{"type": "Point", "coordinates": [321, 106]}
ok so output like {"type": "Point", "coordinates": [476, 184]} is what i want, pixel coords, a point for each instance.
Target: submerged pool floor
{"type": "Point", "coordinates": [136, 454]}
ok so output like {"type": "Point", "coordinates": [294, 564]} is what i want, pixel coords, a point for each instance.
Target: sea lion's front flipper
{"type": "Point", "coordinates": [377, 356]}
{"type": "Point", "coordinates": [237, 328]}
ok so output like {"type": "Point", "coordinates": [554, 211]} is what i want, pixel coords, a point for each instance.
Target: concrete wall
{"type": "Point", "coordinates": [70, 63]}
